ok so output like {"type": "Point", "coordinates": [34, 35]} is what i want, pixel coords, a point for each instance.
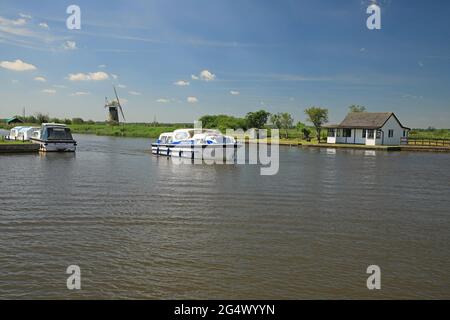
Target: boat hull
{"type": "Point", "coordinates": [56, 146]}
{"type": "Point", "coordinates": [218, 152]}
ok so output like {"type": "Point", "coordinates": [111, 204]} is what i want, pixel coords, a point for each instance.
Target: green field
{"type": "Point", "coordinates": [123, 130]}
{"type": "Point", "coordinates": [430, 133]}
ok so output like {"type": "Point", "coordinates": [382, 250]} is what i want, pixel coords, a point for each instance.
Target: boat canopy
{"type": "Point", "coordinates": [56, 132]}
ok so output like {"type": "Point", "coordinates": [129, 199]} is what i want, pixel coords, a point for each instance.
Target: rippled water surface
{"type": "Point", "coordinates": [143, 227]}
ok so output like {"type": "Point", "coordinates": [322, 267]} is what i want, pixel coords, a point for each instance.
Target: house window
{"type": "Point", "coordinates": [347, 133]}
{"type": "Point", "coordinates": [338, 133]}
{"type": "Point", "coordinates": [364, 133]}
{"type": "Point", "coordinates": [404, 133]}
{"type": "Point", "coordinates": [378, 134]}
{"type": "Point", "coordinates": [390, 133]}
{"type": "Point", "coordinates": [331, 132]}
{"type": "Point", "coordinates": [370, 134]}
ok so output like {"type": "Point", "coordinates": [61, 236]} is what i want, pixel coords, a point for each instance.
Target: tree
{"type": "Point", "coordinates": [257, 119]}
{"type": "Point", "coordinates": [77, 121]}
{"type": "Point", "coordinates": [55, 120]}
{"type": "Point", "coordinates": [222, 122]}
{"type": "Point", "coordinates": [275, 120]}
{"type": "Point", "coordinates": [317, 116]}
{"type": "Point", "coordinates": [357, 108]}
{"type": "Point", "coordinates": [286, 122]}
{"type": "Point", "coordinates": [306, 133]}
{"type": "Point", "coordinates": [42, 118]}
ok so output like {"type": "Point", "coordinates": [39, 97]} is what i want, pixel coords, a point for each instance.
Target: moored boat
{"type": "Point", "coordinates": [206, 144]}
{"type": "Point", "coordinates": [54, 137]}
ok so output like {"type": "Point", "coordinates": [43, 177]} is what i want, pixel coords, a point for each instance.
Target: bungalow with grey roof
{"type": "Point", "coordinates": [368, 128]}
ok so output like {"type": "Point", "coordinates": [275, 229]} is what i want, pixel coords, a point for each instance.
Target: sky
{"type": "Point", "coordinates": [175, 61]}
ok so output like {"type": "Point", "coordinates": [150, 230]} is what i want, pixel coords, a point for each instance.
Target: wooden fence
{"type": "Point", "coordinates": [425, 142]}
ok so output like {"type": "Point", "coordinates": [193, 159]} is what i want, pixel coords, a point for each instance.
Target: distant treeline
{"type": "Point", "coordinates": [260, 120]}
{"type": "Point", "coordinates": [39, 118]}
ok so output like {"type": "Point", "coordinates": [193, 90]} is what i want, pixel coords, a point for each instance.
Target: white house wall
{"type": "Point", "coordinates": [391, 124]}
{"type": "Point", "coordinates": [358, 137]}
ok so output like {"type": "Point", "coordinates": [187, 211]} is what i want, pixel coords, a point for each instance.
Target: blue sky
{"type": "Point", "coordinates": [282, 56]}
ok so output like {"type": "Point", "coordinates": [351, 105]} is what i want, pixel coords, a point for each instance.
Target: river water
{"type": "Point", "coordinates": [140, 226]}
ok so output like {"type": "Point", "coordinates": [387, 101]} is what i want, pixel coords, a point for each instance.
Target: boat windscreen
{"type": "Point", "coordinates": [59, 134]}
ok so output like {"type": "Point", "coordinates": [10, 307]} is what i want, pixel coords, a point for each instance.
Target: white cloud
{"type": "Point", "coordinates": [43, 25]}
{"type": "Point", "coordinates": [80, 93]}
{"type": "Point", "coordinates": [114, 76]}
{"type": "Point", "coordinates": [234, 93]}
{"type": "Point", "coordinates": [19, 22]}
{"type": "Point", "coordinates": [40, 79]}
{"type": "Point", "coordinates": [94, 76]}
{"type": "Point", "coordinates": [59, 86]}
{"type": "Point", "coordinates": [25, 16]}
{"type": "Point", "coordinates": [205, 75]}
{"type": "Point", "coordinates": [134, 93]}
{"type": "Point", "coordinates": [14, 81]}
{"type": "Point", "coordinates": [102, 66]}
{"type": "Point", "coordinates": [49, 91]}
{"type": "Point", "coordinates": [194, 77]}
{"type": "Point", "coordinates": [70, 45]}
{"type": "Point", "coordinates": [163, 100]}
{"type": "Point", "coordinates": [22, 34]}
{"type": "Point", "coordinates": [17, 65]}
{"type": "Point", "coordinates": [181, 83]}
{"type": "Point", "coordinates": [121, 86]}
{"type": "Point", "coordinates": [420, 63]}
{"type": "Point", "coordinates": [192, 99]}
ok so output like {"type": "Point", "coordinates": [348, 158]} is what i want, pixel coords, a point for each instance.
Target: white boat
{"type": "Point", "coordinates": [206, 144]}
{"type": "Point", "coordinates": [54, 137]}
{"type": "Point", "coordinates": [25, 133]}
{"type": "Point", "coordinates": [14, 133]}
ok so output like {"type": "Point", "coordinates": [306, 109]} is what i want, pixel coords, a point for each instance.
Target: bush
{"type": "Point", "coordinates": [223, 122]}
{"type": "Point", "coordinates": [77, 121]}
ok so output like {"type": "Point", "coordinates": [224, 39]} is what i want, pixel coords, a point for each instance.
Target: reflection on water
{"type": "Point", "coordinates": [140, 226]}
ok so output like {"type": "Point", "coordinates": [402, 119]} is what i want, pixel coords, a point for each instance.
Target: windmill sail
{"type": "Point", "coordinates": [118, 102]}
{"type": "Point", "coordinates": [114, 107]}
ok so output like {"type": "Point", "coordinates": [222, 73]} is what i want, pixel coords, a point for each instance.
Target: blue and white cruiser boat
{"type": "Point", "coordinates": [54, 137]}
{"type": "Point", "coordinates": [206, 144]}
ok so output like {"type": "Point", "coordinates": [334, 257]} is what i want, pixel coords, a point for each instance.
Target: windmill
{"type": "Point", "coordinates": [113, 108]}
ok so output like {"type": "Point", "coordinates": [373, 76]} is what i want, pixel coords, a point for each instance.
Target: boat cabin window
{"type": "Point", "coordinates": [58, 134]}
{"type": "Point", "coordinates": [181, 135]}
{"type": "Point", "coordinates": [166, 139]}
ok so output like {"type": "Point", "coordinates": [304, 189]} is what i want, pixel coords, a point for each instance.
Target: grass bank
{"type": "Point", "coordinates": [123, 130]}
